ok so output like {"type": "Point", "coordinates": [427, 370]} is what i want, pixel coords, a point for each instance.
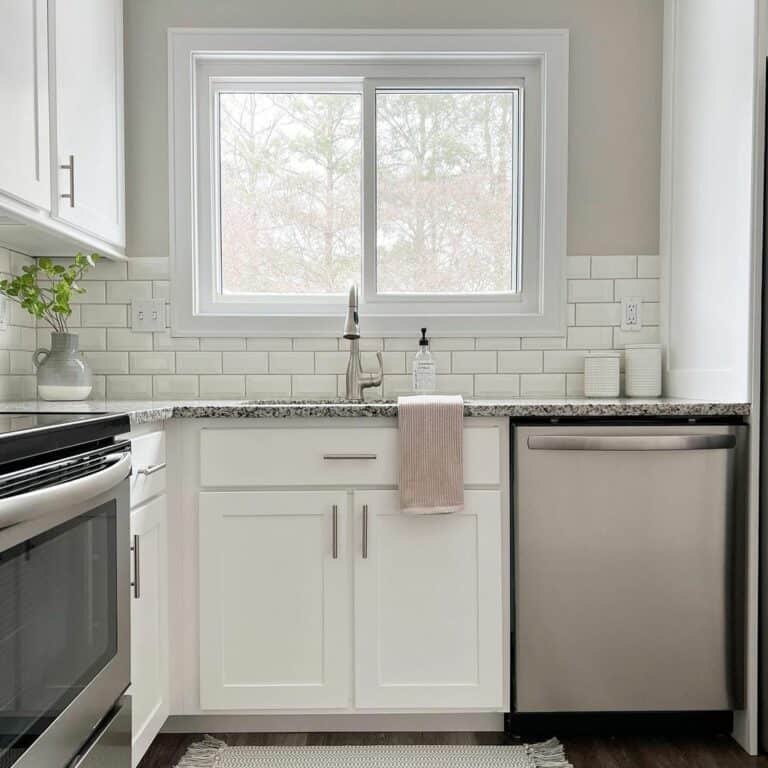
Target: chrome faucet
{"type": "Point", "coordinates": [357, 378]}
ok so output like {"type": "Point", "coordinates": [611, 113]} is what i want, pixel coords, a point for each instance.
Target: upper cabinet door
{"type": "Point", "coordinates": [428, 605]}
{"type": "Point", "coordinates": [87, 100]}
{"type": "Point", "coordinates": [24, 133]}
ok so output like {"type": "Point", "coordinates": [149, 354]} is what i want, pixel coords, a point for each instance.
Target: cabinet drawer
{"type": "Point", "coordinates": [148, 475]}
{"type": "Point", "coordinates": [321, 456]}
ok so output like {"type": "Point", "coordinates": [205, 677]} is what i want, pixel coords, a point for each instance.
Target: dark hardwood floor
{"type": "Point", "coordinates": [582, 751]}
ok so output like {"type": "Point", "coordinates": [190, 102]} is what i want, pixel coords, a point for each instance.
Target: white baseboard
{"type": "Point", "coordinates": [484, 721]}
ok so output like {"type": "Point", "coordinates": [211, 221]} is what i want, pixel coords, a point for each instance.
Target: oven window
{"type": "Point", "coordinates": [58, 623]}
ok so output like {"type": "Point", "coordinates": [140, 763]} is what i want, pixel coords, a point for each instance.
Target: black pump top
{"type": "Point", "coordinates": [423, 341]}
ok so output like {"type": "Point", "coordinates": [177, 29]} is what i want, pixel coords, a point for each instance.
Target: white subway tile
{"type": "Point", "coordinates": [126, 339]}
{"type": "Point", "coordinates": [261, 387]}
{"type": "Point", "coordinates": [198, 362]}
{"type": "Point", "coordinates": [527, 361]}
{"type": "Point", "coordinates": [126, 291]}
{"type": "Point", "coordinates": [497, 385]}
{"type": "Point", "coordinates": [224, 387]}
{"type": "Point", "coordinates": [614, 266]}
{"type": "Point", "coordinates": [590, 290]}
{"type": "Point", "coordinates": [394, 362]}
{"type": "Point", "coordinates": [542, 385]}
{"type": "Point", "coordinates": [107, 362]}
{"type": "Point", "coordinates": [245, 362]}
{"type": "Point", "coordinates": [648, 334]}
{"type": "Point", "coordinates": [95, 292]}
{"type": "Point", "coordinates": [563, 361]}
{"type": "Point", "coordinates": [148, 268]}
{"type": "Point", "coordinates": [473, 362]}
{"type": "Point", "coordinates": [574, 385]}
{"type": "Point", "coordinates": [651, 313]}
{"type": "Point", "coordinates": [305, 386]}
{"type": "Point", "coordinates": [499, 342]}
{"type": "Point", "coordinates": [648, 266]}
{"type": "Point", "coordinates": [5, 260]}
{"type": "Point", "coordinates": [161, 289]}
{"type": "Point", "coordinates": [104, 316]}
{"type": "Point", "coordinates": [152, 362]}
{"type": "Point", "coordinates": [586, 337]}
{"type": "Point", "coordinates": [16, 362]}
{"type": "Point", "coordinates": [17, 315]}
{"type": "Point", "coordinates": [405, 344]}
{"type": "Point", "coordinates": [268, 344]}
{"type": "Point", "coordinates": [371, 344]}
{"type": "Point", "coordinates": [332, 362]}
{"type": "Point", "coordinates": [598, 314]}
{"type": "Point", "coordinates": [105, 269]}
{"type": "Point", "coordinates": [543, 342]}
{"type": "Point", "coordinates": [291, 362]}
{"type": "Point", "coordinates": [98, 387]}
{"type": "Point", "coordinates": [27, 338]}
{"type": "Point", "coordinates": [645, 289]}
{"type": "Point", "coordinates": [129, 387]}
{"type": "Point", "coordinates": [453, 384]}
{"type": "Point", "coordinates": [393, 386]}
{"type": "Point", "coordinates": [90, 339]}
{"type": "Point", "coordinates": [167, 387]}
{"type": "Point", "coordinates": [313, 344]}
{"type": "Point", "coordinates": [164, 341]}
{"type": "Point", "coordinates": [577, 266]}
{"type": "Point", "coordinates": [222, 343]}
{"type": "Point", "coordinates": [19, 261]}
{"type": "Point", "coordinates": [448, 343]}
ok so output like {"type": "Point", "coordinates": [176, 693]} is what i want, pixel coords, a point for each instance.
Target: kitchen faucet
{"type": "Point", "coordinates": [357, 378]}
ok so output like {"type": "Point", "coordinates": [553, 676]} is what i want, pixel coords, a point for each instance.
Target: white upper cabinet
{"type": "Point", "coordinates": [24, 127]}
{"type": "Point", "coordinates": [87, 99]}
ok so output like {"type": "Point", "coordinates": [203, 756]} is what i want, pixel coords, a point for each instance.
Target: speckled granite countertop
{"type": "Point", "coordinates": [144, 412]}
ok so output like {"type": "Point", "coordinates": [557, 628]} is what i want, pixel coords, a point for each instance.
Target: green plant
{"type": "Point", "coordinates": [45, 289]}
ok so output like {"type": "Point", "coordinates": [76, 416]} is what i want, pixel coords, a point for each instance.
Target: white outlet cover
{"type": "Point", "coordinates": [148, 315]}
{"type": "Point", "coordinates": [631, 314]}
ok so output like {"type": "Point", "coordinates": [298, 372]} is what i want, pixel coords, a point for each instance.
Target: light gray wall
{"type": "Point", "coordinates": [615, 99]}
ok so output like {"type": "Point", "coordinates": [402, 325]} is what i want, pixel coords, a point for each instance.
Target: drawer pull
{"type": "Point", "coordinates": [136, 583]}
{"type": "Point", "coordinates": [151, 469]}
{"type": "Point", "coordinates": [335, 521]}
{"type": "Point", "coordinates": [349, 456]}
{"type": "Point", "coordinates": [365, 531]}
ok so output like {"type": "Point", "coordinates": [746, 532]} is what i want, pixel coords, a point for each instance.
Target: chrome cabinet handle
{"type": "Point", "coordinates": [151, 469]}
{"type": "Point", "coordinates": [136, 583]}
{"type": "Point", "coordinates": [630, 442]}
{"type": "Point", "coordinates": [70, 166]}
{"type": "Point", "coordinates": [335, 523]}
{"type": "Point", "coordinates": [349, 456]}
{"type": "Point", "coordinates": [365, 531]}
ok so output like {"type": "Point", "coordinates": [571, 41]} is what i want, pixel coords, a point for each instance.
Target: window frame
{"type": "Point", "coordinates": [204, 63]}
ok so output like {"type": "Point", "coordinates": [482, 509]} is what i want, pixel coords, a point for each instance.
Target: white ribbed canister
{"type": "Point", "coordinates": [601, 374]}
{"type": "Point", "coordinates": [643, 370]}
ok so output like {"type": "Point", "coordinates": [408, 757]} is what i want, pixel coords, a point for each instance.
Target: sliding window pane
{"type": "Point", "coordinates": [290, 192]}
{"type": "Point", "coordinates": [446, 191]}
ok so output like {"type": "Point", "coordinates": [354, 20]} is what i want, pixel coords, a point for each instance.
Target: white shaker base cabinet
{"type": "Point", "coordinates": [274, 600]}
{"type": "Point", "coordinates": [428, 614]}
{"type": "Point", "coordinates": [149, 632]}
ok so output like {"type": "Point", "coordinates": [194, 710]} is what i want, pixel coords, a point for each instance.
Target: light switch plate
{"type": "Point", "coordinates": [631, 314]}
{"type": "Point", "coordinates": [148, 315]}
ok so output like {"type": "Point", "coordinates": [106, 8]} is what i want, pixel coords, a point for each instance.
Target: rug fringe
{"type": "Point", "coordinates": [202, 754]}
{"type": "Point", "coordinates": [548, 754]}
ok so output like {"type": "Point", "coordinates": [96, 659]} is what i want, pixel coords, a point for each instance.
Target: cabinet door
{"type": "Point", "coordinates": [149, 624]}
{"type": "Point", "coordinates": [87, 51]}
{"type": "Point", "coordinates": [428, 605]}
{"type": "Point", "coordinates": [24, 137]}
{"type": "Point", "coordinates": [274, 600]}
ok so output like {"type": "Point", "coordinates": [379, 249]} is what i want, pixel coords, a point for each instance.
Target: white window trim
{"type": "Point", "coordinates": [545, 51]}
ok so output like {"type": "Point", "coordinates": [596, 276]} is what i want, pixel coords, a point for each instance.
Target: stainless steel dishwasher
{"type": "Point", "coordinates": [627, 568]}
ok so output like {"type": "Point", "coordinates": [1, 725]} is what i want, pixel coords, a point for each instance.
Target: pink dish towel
{"type": "Point", "coordinates": [431, 454]}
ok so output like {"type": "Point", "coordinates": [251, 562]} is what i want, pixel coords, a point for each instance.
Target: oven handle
{"type": "Point", "coordinates": [26, 506]}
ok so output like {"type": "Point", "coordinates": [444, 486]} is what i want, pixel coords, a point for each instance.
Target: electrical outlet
{"type": "Point", "coordinates": [148, 315]}
{"type": "Point", "coordinates": [631, 314]}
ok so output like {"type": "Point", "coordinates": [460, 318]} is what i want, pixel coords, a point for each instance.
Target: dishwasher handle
{"type": "Point", "coordinates": [631, 442]}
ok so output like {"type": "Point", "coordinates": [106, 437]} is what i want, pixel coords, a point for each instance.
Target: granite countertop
{"type": "Point", "coordinates": [145, 412]}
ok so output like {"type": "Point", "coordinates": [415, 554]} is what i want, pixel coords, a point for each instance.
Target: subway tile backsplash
{"type": "Point", "coordinates": [130, 365]}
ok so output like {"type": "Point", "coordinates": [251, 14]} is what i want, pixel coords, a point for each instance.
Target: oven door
{"type": "Point", "coordinates": [64, 613]}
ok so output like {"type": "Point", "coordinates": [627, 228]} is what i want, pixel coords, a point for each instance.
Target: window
{"type": "Point", "coordinates": [303, 162]}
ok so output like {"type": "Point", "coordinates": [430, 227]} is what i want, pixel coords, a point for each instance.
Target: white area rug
{"type": "Point", "coordinates": [212, 753]}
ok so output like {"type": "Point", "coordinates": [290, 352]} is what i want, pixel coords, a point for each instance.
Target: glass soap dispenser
{"type": "Point", "coordinates": [424, 368]}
